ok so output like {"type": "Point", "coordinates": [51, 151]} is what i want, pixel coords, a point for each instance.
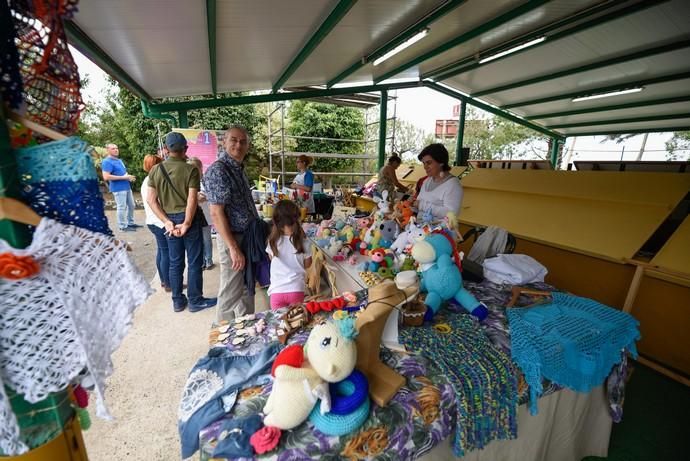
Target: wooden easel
{"type": "Point", "coordinates": [17, 211]}
{"type": "Point", "coordinates": [384, 382]}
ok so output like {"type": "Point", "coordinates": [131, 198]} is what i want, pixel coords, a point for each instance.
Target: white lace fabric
{"type": "Point", "coordinates": [70, 316]}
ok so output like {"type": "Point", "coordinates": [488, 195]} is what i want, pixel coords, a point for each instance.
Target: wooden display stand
{"type": "Point", "coordinates": [384, 382]}
{"type": "Point", "coordinates": [68, 446]}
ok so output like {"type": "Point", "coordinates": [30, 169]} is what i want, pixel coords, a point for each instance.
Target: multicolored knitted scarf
{"type": "Point", "coordinates": [482, 376]}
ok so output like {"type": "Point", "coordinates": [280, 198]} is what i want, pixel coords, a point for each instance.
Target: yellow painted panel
{"type": "Point", "coordinates": [663, 309]}
{"type": "Point", "coordinates": [605, 214]}
{"type": "Point", "coordinates": [675, 254]}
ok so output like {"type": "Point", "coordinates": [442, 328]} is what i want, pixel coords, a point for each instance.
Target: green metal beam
{"type": "Point", "coordinates": [629, 105]}
{"type": "Point", "coordinates": [331, 21]}
{"type": "Point", "coordinates": [272, 97]}
{"type": "Point", "coordinates": [146, 109]}
{"type": "Point", "coordinates": [415, 28]}
{"type": "Point", "coordinates": [555, 147]}
{"type": "Point", "coordinates": [472, 62]}
{"type": "Point", "coordinates": [634, 131]}
{"type": "Point", "coordinates": [651, 118]}
{"type": "Point", "coordinates": [211, 26]}
{"type": "Point", "coordinates": [95, 53]}
{"type": "Point", "coordinates": [602, 89]}
{"type": "Point", "coordinates": [494, 110]}
{"type": "Point", "coordinates": [461, 132]}
{"type": "Point", "coordinates": [469, 35]}
{"type": "Point", "coordinates": [383, 122]}
{"type": "Point", "coordinates": [593, 66]}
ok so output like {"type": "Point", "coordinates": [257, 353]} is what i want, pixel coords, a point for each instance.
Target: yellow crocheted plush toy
{"type": "Point", "coordinates": [331, 354]}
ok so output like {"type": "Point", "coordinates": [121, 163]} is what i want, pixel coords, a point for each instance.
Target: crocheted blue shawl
{"type": "Point", "coordinates": [571, 341]}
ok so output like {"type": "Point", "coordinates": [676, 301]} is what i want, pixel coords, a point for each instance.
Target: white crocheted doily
{"type": "Point", "coordinates": [70, 316]}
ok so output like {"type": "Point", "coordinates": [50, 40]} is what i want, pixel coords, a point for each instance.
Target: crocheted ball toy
{"type": "Point", "coordinates": [441, 278]}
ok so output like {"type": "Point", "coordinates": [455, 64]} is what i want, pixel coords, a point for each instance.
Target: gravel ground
{"type": "Point", "coordinates": [151, 366]}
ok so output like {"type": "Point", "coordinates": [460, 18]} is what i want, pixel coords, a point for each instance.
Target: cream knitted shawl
{"type": "Point", "coordinates": [69, 317]}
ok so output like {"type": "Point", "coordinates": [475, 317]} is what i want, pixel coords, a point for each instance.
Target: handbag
{"type": "Point", "coordinates": [199, 212]}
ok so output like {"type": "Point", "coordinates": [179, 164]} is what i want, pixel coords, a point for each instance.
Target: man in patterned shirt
{"type": "Point", "coordinates": [232, 211]}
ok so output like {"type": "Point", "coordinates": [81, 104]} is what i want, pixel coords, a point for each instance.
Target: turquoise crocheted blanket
{"type": "Point", "coordinates": [571, 341]}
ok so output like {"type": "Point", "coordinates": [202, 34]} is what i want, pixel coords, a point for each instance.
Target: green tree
{"type": "Point", "coordinates": [678, 147]}
{"type": "Point", "coordinates": [492, 137]}
{"type": "Point", "coordinates": [317, 120]}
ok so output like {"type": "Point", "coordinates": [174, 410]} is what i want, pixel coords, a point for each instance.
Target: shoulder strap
{"type": "Point", "coordinates": [165, 174]}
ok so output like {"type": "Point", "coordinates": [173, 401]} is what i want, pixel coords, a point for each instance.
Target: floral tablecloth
{"type": "Point", "coordinates": [421, 415]}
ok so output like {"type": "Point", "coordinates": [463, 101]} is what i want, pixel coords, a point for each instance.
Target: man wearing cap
{"type": "Point", "coordinates": [172, 195]}
{"type": "Point", "coordinates": [115, 172]}
{"type": "Point", "coordinates": [233, 213]}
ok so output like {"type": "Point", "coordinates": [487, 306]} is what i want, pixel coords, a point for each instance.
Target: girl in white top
{"type": "Point", "coordinates": [440, 192]}
{"type": "Point", "coordinates": [290, 254]}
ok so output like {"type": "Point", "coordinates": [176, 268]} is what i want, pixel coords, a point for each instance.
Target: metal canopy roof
{"type": "Point", "coordinates": [169, 48]}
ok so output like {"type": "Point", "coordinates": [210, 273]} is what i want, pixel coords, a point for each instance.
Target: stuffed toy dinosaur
{"type": "Point", "coordinates": [441, 277]}
{"type": "Point", "coordinates": [302, 374]}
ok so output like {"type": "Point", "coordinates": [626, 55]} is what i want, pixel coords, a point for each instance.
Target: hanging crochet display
{"type": "Point", "coordinates": [571, 341]}
{"type": "Point", "coordinates": [68, 317]}
{"type": "Point", "coordinates": [59, 181]}
{"type": "Point", "coordinates": [50, 76]}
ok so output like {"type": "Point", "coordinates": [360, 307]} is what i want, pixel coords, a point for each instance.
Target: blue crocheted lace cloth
{"type": "Point", "coordinates": [59, 181]}
{"type": "Point", "coordinates": [571, 341]}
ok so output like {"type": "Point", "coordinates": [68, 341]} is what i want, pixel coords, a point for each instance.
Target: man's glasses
{"type": "Point", "coordinates": [242, 142]}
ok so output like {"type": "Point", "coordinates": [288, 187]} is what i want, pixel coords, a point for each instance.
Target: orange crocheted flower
{"type": "Point", "coordinates": [15, 267]}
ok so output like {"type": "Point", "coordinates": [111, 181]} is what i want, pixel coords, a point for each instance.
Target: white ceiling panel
{"type": "Point", "coordinates": [366, 27]}
{"type": "Point", "coordinates": [648, 111]}
{"type": "Point", "coordinates": [155, 44]}
{"type": "Point", "coordinates": [618, 37]}
{"type": "Point", "coordinates": [257, 39]}
{"type": "Point", "coordinates": [661, 124]}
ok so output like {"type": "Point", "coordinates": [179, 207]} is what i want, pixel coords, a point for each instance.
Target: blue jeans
{"type": "Point", "coordinates": [208, 245]}
{"type": "Point", "coordinates": [191, 243]}
{"type": "Point", "coordinates": [124, 200]}
{"type": "Point", "coordinates": [162, 256]}
{"type": "Point", "coordinates": [212, 387]}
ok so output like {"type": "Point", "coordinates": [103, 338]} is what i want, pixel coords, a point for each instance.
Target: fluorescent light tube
{"type": "Point", "coordinates": [606, 95]}
{"type": "Point", "coordinates": [512, 50]}
{"type": "Point", "coordinates": [409, 42]}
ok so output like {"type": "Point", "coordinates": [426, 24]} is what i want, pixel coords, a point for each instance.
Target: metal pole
{"type": "Point", "coordinates": [382, 127]}
{"type": "Point", "coordinates": [15, 234]}
{"type": "Point", "coordinates": [555, 142]}
{"type": "Point", "coordinates": [461, 133]}
{"type": "Point", "coordinates": [270, 145]}
{"type": "Point", "coordinates": [282, 144]}
{"type": "Point", "coordinates": [184, 121]}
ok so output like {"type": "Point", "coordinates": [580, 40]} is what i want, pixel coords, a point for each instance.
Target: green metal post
{"type": "Point", "coordinates": [211, 29]}
{"type": "Point", "coordinates": [383, 115]}
{"type": "Point", "coordinates": [184, 121]}
{"type": "Point", "coordinates": [461, 132]}
{"type": "Point", "coordinates": [15, 234]}
{"type": "Point", "coordinates": [555, 145]}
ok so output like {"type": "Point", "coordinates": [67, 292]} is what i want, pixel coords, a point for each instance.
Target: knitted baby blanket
{"type": "Point", "coordinates": [482, 376]}
{"type": "Point", "coordinates": [571, 341]}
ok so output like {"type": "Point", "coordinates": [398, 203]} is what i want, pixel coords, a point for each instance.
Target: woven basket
{"type": "Point", "coordinates": [413, 313]}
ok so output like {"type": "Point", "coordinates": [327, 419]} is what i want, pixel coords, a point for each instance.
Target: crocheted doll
{"type": "Point", "coordinates": [441, 277]}
{"type": "Point", "coordinates": [330, 353]}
